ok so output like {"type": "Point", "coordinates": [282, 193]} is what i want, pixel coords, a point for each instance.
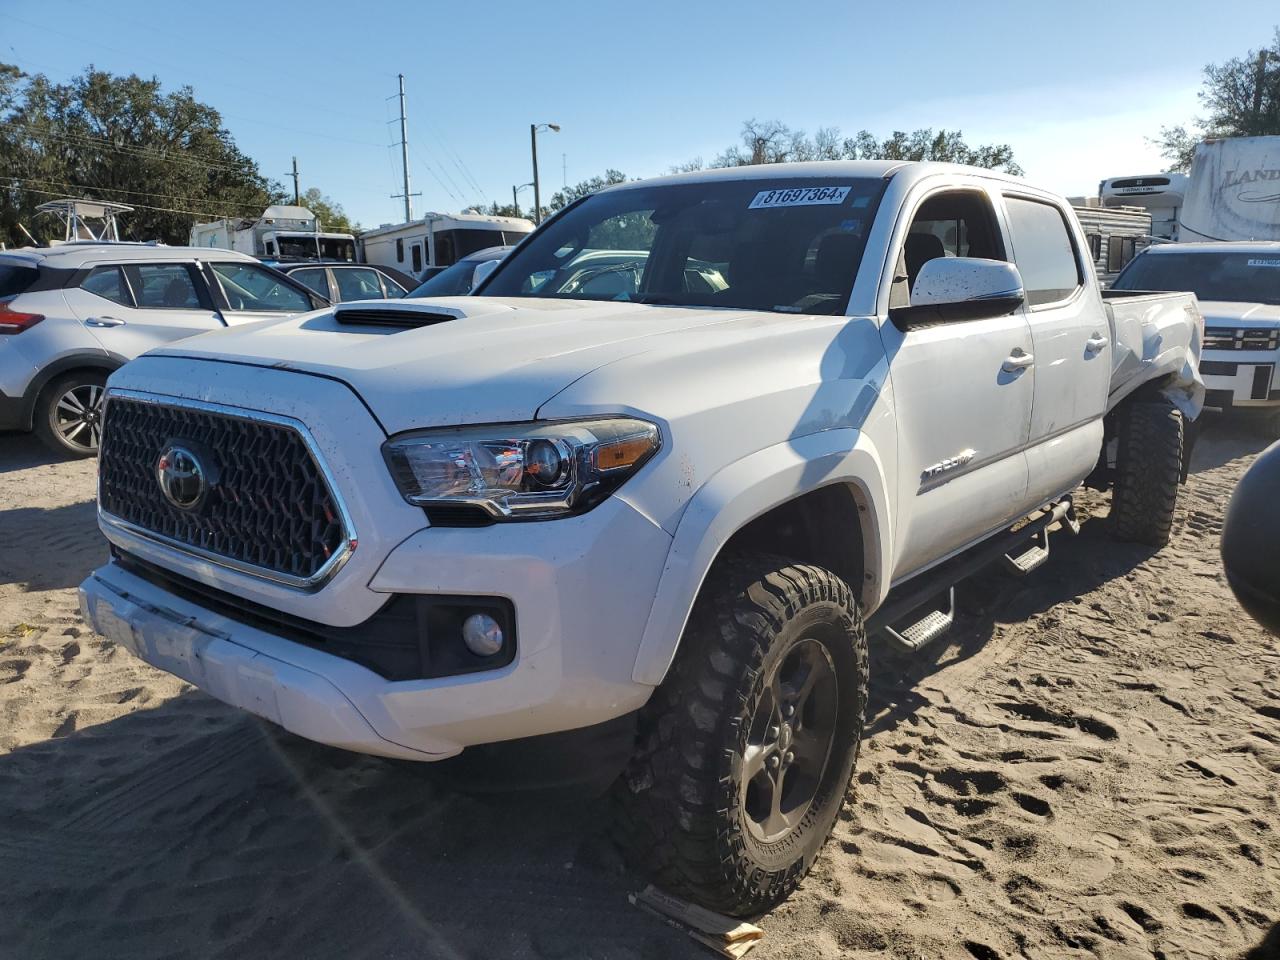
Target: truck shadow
{"type": "Point", "coordinates": [1224, 439]}
{"type": "Point", "coordinates": [192, 829]}
{"type": "Point", "coordinates": [47, 548]}
{"type": "Point", "coordinates": [1077, 566]}
{"type": "Point", "coordinates": [18, 451]}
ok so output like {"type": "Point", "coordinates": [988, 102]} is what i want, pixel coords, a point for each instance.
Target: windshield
{"type": "Point", "coordinates": [791, 246]}
{"type": "Point", "coordinates": [1241, 277]}
{"type": "Point", "coordinates": [452, 281]}
{"type": "Point", "coordinates": [312, 248]}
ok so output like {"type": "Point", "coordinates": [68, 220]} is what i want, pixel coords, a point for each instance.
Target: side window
{"type": "Point", "coordinates": [357, 283]}
{"type": "Point", "coordinates": [108, 283]}
{"type": "Point", "coordinates": [1042, 250]}
{"type": "Point", "coordinates": [1095, 246]}
{"type": "Point", "coordinates": [445, 254]}
{"type": "Point", "coordinates": [957, 223]}
{"type": "Point", "coordinates": [313, 279]}
{"type": "Point", "coordinates": [271, 248]}
{"type": "Point", "coordinates": [399, 251]}
{"type": "Point", "coordinates": [417, 257]}
{"type": "Point", "coordinates": [250, 287]}
{"type": "Point", "coordinates": [1120, 250]}
{"type": "Point", "coordinates": [163, 286]}
{"type": "Point", "coordinates": [392, 288]}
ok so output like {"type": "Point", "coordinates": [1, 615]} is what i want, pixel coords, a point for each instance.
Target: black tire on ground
{"type": "Point", "coordinates": [765, 699]}
{"type": "Point", "coordinates": [68, 413]}
{"type": "Point", "coordinates": [1148, 470]}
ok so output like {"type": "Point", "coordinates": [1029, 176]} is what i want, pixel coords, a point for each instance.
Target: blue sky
{"type": "Point", "coordinates": [1075, 88]}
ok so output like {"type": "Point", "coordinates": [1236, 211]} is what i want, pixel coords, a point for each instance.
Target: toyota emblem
{"type": "Point", "coordinates": [182, 477]}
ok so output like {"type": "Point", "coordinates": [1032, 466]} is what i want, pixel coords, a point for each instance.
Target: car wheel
{"type": "Point", "coordinates": [746, 749]}
{"type": "Point", "coordinates": [1148, 471]}
{"type": "Point", "coordinates": [69, 414]}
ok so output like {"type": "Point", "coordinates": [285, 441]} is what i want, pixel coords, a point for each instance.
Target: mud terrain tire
{"type": "Point", "coordinates": [773, 663]}
{"type": "Point", "coordinates": [1148, 471]}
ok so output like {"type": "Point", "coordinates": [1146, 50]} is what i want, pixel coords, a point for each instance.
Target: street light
{"type": "Point", "coordinates": [515, 202]}
{"type": "Point", "coordinates": [533, 141]}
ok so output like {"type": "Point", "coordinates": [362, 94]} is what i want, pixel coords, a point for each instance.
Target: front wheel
{"type": "Point", "coordinates": [1148, 471]}
{"type": "Point", "coordinates": [746, 749]}
{"type": "Point", "coordinates": [69, 414]}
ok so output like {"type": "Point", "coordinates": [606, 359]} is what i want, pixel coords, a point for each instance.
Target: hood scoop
{"type": "Point", "coordinates": [402, 317]}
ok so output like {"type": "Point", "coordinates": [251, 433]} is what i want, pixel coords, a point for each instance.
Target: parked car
{"type": "Point", "coordinates": [1238, 286]}
{"type": "Point", "coordinates": [459, 279]}
{"type": "Point", "coordinates": [71, 314]}
{"type": "Point", "coordinates": [647, 537]}
{"type": "Point", "coordinates": [340, 282]}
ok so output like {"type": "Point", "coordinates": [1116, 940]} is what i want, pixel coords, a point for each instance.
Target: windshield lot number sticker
{"type": "Point", "coordinates": [1264, 263]}
{"type": "Point", "coordinates": [799, 197]}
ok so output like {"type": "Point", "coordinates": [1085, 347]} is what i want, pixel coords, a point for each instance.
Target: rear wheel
{"type": "Point", "coordinates": [69, 413]}
{"type": "Point", "coordinates": [1148, 471]}
{"type": "Point", "coordinates": [746, 749]}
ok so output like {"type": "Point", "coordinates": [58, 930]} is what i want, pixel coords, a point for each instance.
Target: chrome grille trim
{"type": "Point", "coordinates": [310, 583]}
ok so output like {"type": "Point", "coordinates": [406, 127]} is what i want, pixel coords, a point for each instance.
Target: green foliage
{"type": "Point", "coordinates": [121, 139]}
{"type": "Point", "coordinates": [1242, 97]}
{"type": "Point", "coordinates": [562, 198]}
{"type": "Point", "coordinates": [774, 142]}
{"type": "Point", "coordinates": [333, 219]}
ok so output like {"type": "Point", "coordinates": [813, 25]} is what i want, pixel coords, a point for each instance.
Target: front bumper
{"type": "Point", "coordinates": [580, 611]}
{"type": "Point", "coordinates": [1245, 378]}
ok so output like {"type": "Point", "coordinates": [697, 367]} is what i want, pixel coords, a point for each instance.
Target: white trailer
{"type": "Point", "coordinates": [439, 240]}
{"type": "Point", "coordinates": [1160, 194]}
{"type": "Point", "coordinates": [281, 233]}
{"type": "Point", "coordinates": [1234, 192]}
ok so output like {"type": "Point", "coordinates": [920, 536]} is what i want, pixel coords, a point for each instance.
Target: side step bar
{"type": "Point", "coordinates": [916, 598]}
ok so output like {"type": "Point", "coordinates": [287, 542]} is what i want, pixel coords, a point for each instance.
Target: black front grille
{"type": "Point", "coordinates": [267, 505]}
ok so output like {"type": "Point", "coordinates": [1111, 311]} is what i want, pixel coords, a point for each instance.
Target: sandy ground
{"type": "Point", "coordinates": [1086, 767]}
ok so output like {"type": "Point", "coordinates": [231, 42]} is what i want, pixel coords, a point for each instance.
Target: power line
{"type": "Point", "coordinates": [125, 190]}
{"type": "Point", "coordinates": [153, 153]}
{"type": "Point", "coordinates": [141, 206]}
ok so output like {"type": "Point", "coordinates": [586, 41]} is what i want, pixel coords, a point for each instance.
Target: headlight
{"type": "Point", "coordinates": [521, 470]}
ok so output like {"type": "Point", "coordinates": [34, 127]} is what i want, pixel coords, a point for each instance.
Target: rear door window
{"type": "Point", "coordinates": [357, 283]}
{"type": "Point", "coordinates": [313, 278]}
{"type": "Point", "coordinates": [108, 283]}
{"type": "Point", "coordinates": [163, 286]}
{"type": "Point", "coordinates": [1042, 250]}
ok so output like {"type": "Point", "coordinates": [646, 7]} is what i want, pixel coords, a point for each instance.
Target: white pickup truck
{"type": "Point", "coordinates": [646, 522]}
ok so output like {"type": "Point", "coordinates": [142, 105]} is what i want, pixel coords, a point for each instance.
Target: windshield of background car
{"type": "Point", "coordinates": [1241, 277]}
{"type": "Point", "coordinates": [453, 281]}
{"type": "Point", "coordinates": [790, 246]}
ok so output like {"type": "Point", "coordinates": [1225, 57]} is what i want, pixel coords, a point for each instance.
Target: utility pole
{"type": "Point", "coordinates": [404, 159]}
{"type": "Point", "coordinates": [537, 194]}
{"type": "Point", "coordinates": [1257, 90]}
{"type": "Point", "coordinates": [515, 202]}
{"type": "Point", "coordinates": [564, 170]}
{"type": "Point", "coordinates": [297, 197]}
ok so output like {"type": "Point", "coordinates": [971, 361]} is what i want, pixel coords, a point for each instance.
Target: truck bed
{"type": "Point", "coordinates": [1155, 336]}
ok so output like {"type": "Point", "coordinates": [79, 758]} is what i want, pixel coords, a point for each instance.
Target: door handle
{"type": "Point", "coordinates": [104, 322]}
{"type": "Point", "coordinates": [1095, 344]}
{"type": "Point", "coordinates": [1017, 361]}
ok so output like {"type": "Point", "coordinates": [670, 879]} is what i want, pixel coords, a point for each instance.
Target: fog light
{"type": "Point", "coordinates": [482, 634]}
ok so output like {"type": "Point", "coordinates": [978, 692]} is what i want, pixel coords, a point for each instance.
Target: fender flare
{"type": "Point", "coordinates": [749, 488]}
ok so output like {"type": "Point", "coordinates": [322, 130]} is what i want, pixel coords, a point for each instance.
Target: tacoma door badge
{"type": "Point", "coordinates": [942, 468]}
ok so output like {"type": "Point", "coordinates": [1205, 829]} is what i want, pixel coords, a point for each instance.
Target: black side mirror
{"type": "Point", "coordinates": [1251, 540]}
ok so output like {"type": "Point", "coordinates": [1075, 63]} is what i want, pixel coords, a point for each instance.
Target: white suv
{"type": "Point", "coordinates": [71, 314]}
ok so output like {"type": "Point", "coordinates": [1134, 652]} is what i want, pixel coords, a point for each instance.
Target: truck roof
{"type": "Point", "coordinates": [860, 169]}
{"type": "Point", "coordinates": [73, 255]}
{"type": "Point", "coordinates": [512, 224]}
{"type": "Point", "coordinates": [1218, 246]}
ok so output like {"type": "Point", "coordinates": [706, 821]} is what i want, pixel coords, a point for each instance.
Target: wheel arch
{"type": "Point", "coordinates": [802, 492]}
{"type": "Point", "coordinates": [72, 363]}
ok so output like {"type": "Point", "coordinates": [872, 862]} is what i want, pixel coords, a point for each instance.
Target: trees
{"type": "Point", "coordinates": [1242, 97]}
{"type": "Point", "coordinates": [121, 139]}
{"type": "Point", "coordinates": [774, 142]}
{"type": "Point", "coordinates": [333, 219]}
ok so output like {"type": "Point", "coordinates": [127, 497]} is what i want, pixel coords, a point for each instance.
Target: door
{"type": "Point", "coordinates": [1070, 337]}
{"type": "Point", "coordinates": [131, 308]}
{"type": "Point", "coordinates": [962, 394]}
{"type": "Point", "coordinates": [249, 292]}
